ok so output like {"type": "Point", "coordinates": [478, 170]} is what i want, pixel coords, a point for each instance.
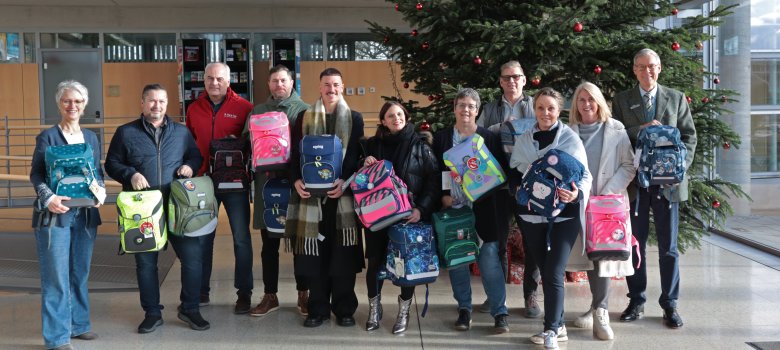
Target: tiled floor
{"type": "Point", "coordinates": [726, 300]}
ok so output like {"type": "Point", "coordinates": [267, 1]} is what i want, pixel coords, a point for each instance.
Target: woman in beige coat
{"type": "Point", "coordinates": [610, 161]}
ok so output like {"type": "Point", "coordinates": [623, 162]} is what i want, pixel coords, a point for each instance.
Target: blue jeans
{"type": "Point", "coordinates": [492, 280]}
{"type": "Point", "coordinates": [188, 251]}
{"type": "Point", "coordinates": [237, 208]}
{"type": "Point", "coordinates": [666, 217]}
{"type": "Point", "coordinates": [64, 255]}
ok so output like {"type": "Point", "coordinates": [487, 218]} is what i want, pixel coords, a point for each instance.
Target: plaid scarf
{"type": "Point", "coordinates": [305, 214]}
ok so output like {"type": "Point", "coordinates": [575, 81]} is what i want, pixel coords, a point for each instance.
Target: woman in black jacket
{"type": "Point", "coordinates": [414, 163]}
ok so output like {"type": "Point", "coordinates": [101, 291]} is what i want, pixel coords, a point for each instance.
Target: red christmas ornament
{"type": "Point", "coordinates": [477, 60]}
{"type": "Point", "coordinates": [716, 80]}
{"type": "Point", "coordinates": [424, 126]}
{"type": "Point", "coordinates": [688, 98]}
{"type": "Point", "coordinates": [715, 204]}
{"type": "Point", "coordinates": [445, 80]}
{"type": "Point", "coordinates": [431, 98]}
{"type": "Point", "coordinates": [726, 145]}
{"type": "Point", "coordinates": [597, 69]}
{"type": "Point", "coordinates": [419, 6]}
{"type": "Point", "coordinates": [577, 27]}
{"type": "Point", "coordinates": [406, 85]}
{"type": "Point", "coordinates": [705, 100]}
{"type": "Point", "coordinates": [425, 46]}
{"type": "Point", "coordinates": [675, 11]}
{"type": "Point", "coordinates": [414, 32]}
{"type": "Point", "coordinates": [536, 81]}
{"type": "Point", "coordinates": [675, 46]}
{"type": "Point", "coordinates": [387, 39]}
{"type": "Point", "coordinates": [396, 7]}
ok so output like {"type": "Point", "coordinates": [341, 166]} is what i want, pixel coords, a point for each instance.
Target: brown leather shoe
{"type": "Point", "coordinates": [268, 304]}
{"type": "Point", "coordinates": [303, 302]}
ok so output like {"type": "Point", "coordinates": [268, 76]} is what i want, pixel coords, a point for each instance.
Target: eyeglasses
{"type": "Point", "coordinates": [646, 66]}
{"type": "Point", "coordinates": [74, 102]}
{"type": "Point", "coordinates": [466, 106]}
{"type": "Point", "coordinates": [508, 78]}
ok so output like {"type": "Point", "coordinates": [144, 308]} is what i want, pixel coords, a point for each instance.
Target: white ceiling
{"type": "Point", "coordinates": [198, 3]}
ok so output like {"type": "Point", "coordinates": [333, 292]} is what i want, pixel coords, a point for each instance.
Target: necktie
{"type": "Point", "coordinates": [649, 112]}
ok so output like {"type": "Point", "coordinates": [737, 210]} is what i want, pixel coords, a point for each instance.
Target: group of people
{"type": "Point", "coordinates": [325, 235]}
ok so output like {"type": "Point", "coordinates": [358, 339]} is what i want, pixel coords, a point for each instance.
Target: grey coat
{"type": "Point", "coordinates": [493, 113]}
{"type": "Point", "coordinates": [671, 109]}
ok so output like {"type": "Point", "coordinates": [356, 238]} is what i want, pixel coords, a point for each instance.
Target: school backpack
{"type": "Point", "coordinates": [270, 134]}
{"type": "Point", "coordinates": [511, 129]}
{"type": "Point", "coordinates": [608, 228]}
{"type": "Point", "coordinates": [320, 163]}
{"type": "Point", "coordinates": [192, 207]}
{"type": "Point", "coordinates": [381, 197]}
{"type": "Point", "coordinates": [474, 168]}
{"type": "Point", "coordinates": [228, 162]}
{"type": "Point", "coordinates": [660, 156]}
{"type": "Point", "coordinates": [538, 189]}
{"type": "Point", "coordinates": [276, 196]}
{"type": "Point", "coordinates": [411, 255]}
{"type": "Point", "coordinates": [70, 170]}
{"type": "Point", "coordinates": [456, 236]}
{"type": "Point", "coordinates": [141, 221]}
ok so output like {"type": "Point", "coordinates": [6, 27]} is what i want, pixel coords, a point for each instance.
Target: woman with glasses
{"type": "Point", "coordinates": [64, 235]}
{"type": "Point", "coordinates": [491, 220]}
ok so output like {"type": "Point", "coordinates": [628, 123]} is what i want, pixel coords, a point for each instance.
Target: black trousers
{"type": "Point", "coordinates": [270, 257]}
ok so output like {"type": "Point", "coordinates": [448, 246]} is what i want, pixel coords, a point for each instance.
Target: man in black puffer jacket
{"type": "Point", "coordinates": [149, 153]}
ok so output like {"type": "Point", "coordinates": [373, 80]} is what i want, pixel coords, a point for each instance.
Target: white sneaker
{"type": "Point", "coordinates": [561, 337]}
{"type": "Point", "coordinates": [585, 320]}
{"type": "Point", "coordinates": [550, 340]}
{"type": "Point", "coordinates": [601, 328]}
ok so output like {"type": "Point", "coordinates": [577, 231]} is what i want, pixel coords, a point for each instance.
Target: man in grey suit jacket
{"type": "Point", "coordinates": [662, 106]}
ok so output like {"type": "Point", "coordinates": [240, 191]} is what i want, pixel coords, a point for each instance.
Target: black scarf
{"type": "Point", "coordinates": [398, 147]}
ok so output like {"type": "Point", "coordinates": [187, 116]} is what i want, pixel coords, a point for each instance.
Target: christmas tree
{"type": "Point", "coordinates": [460, 43]}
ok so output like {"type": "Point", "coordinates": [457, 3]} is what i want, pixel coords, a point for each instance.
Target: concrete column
{"type": "Point", "coordinates": [734, 64]}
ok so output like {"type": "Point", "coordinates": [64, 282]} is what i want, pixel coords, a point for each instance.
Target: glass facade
{"type": "Point", "coordinates": [764, 80]}
{"type": "Point", "coordinates": [310, 44]}
{"type": "Point", "coordinates": [70, 40]}
{"type": "Point", "coordinates": [9, 47]}
{"type": "Point", "coordinates": [355, 47]}
{"type": "Point", "coordinates": [146, 47]}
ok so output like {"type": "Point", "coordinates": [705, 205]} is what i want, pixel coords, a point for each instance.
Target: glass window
{"type": "Point", "coordinates": [764, 80]}
{"type": "Point", "coordinates": [29, 48]}
{"type": "Point", "coordinates": [764, 25]}
{"type": "Point", "coordinates": [355, 47]}
{"type": "Point", "coordinates": [146, 47]}
{"type": "Point", "coordinates": [764, 130]}
{"type": "Point", "coordinates": [69, 40]}
{"type": "Point", "coordinates": [9, 47]}
{"type": "Point", "coordinates": [310, 44]}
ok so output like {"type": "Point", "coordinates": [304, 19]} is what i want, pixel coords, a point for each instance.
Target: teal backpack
{"type": "Point", "coordinates": [192, 207]}
{"type": "Point", "coordinates": [456, 236]}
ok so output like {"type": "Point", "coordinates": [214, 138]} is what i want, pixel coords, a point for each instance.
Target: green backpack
{"type": "Point", "coordinates": [192, 207]}
{"type": "Point", "coordinates": [141, 221]}
{"type": "Point", "coordinates": [456, 236]}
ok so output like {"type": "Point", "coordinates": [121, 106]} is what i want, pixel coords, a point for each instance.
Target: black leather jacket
{"type": "Point", "coordinates": [418, 169]}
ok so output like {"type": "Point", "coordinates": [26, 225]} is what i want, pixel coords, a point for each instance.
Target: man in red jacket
{"type": "Point", "coordinates": [217, 114]}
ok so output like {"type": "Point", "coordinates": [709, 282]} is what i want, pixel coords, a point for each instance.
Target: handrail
{"type": "Point", "coordinates": [25, 178]}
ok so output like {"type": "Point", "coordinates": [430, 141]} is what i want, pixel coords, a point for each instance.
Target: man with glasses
{"type": "Point", "coordinates": [217, 114]}
{"type": "Point", "coordinates": [512, 105]}
{"type": "Point", "coordinates": [639, 107]}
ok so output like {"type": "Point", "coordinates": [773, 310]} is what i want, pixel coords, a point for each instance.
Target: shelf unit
{"type": "Point", "coordinates": [288, 53]}
{"type": "Point", "coordinates": [237, 55]}
{"type": "Point", "coordinates": [193, 68]}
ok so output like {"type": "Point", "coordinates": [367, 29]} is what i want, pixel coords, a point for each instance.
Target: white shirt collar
{"type": "Point", "coordinates": [652, 92]}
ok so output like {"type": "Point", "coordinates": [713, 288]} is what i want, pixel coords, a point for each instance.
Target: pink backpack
{"type": "Point", "coordinates": [381, 197]}
{"type": "Point", "coordinates": [270, 134]}
{"type": "Point", "coordinates": [608, 228]}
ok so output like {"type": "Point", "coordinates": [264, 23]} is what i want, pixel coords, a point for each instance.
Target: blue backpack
{"type": "Point", "coordinates": [556, 169]}
{"type": "Point", "coordinates": [276, 196]}
{"type": "Point", "coordinates": [70, 169]}
{"type": "Point", "coordinates": [320, 163]}
{"type": "Point", "coordinates": [661, 155]}
{"type": "Point", "coordinates": [411, 255]}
